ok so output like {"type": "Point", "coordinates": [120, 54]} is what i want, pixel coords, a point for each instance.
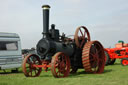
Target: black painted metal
{"type": "Point", "coordinates": [45, 20]}
{"type": "Point", "coordinates": [52, 42]}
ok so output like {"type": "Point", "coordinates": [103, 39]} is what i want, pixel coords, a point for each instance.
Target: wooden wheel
{"type": "Point", "coordinates": [60, 65]}
{"type": "Point", "coordinates": [81, 36]}
{"type": "Point", "coordinates": [93, 57]}
{"type": "Point", "coordinates": [28, 68]}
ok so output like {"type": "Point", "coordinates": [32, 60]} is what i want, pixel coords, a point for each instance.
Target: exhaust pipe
{"type": "Point", "coordinates": [45, 21]}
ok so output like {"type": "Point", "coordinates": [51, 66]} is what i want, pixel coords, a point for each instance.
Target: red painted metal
{"type": "Point", "coordinates": [28, 69]}
{"type": "Point", "coordinates": [119, 52]}
{"type": "Point", "coordinates": [93, 57]}
{"type": "Point", "coordinates": [112, 52]}
{"type": "Point", "coordinates": [45, 66]}
{"type": "Point", "coordinates": [41, 66]}
{"type": "Point", "coordinates": [124, 62]}
{"type": "Point", "coordinates": [32, 65]}
{"type": "Point", "coordinates": [80, 36]}
{"type": "Point", "coordinates": [60, 65]}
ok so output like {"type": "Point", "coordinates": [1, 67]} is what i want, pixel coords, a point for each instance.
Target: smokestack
{"type": "Point", "coordinates": [45, 20]}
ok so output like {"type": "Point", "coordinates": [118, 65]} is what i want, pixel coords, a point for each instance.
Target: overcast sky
{"type": "Point", "coordinates": [106, 20]}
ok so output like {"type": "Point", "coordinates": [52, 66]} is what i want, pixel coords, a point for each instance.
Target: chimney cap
{"type": "Point", "coordinates": [45, 6]}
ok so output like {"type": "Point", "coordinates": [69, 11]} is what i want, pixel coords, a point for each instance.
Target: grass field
{"type": "Point", "coordinates": [113, 75]}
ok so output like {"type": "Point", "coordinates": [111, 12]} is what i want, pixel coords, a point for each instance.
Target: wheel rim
{"type": "Point", "coordinates": [124, 62]}
{"type": "Point", "coordinates": [28, 69]}
{"type": "Point", "coordinates": [107, 57]}
{"type": "Point", "coordinates": [81, 36]}
{"type": "Point", "coordinates": [93, 57]}
{"type": "Point", "coordinates": [60, 65]}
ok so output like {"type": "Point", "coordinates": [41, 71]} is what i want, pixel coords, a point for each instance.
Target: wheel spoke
{"type": "Point", "coordinates": [94, 63]}
{"type": "Point", "coordinates": [92, 60]}
{"type": "Point", "coordinates": [84, 33]}
{"type": "Point", "coordinates": [59, 70]}
{"type": "Point", "coordinates": [100, 59]}
{"type": "Point", "coordinates": [56, 65]}
{"type": "Point", "coordinates": [82, 42]}
{"type": "Point", "coordinates": [81, 32]}
{"type": "Point", "coordinates": [35, 72]}
{"type": "Point", "coordinates": [31, 72]}
{"type": "Point", "coordinates": [28, 68]}
{"type": "Point", "coordinates": [62, 59]}
{"type": "Point", "coordinates": [100, 51]}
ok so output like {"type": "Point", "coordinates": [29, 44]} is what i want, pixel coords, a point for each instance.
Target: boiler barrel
{"type": "Point", "coordinates": [65, 48]}
{"type": "Point", "coordinates": [45, 47]}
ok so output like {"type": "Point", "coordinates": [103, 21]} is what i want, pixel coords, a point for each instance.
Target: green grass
{"type": "Point", "coordinates": [113, 75]}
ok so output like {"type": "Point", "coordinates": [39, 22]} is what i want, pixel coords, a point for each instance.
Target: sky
{"type": "Point", "coordinates": [106, 20]}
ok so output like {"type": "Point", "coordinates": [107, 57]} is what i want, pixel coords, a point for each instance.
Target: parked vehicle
{"type": "Point", "coordinates": [10, 51]}
{"type": "Point", "coordinates": [119, 52]}
{"type": "Point", "coordinates": [26, 52]}
{"type": "Point", "coordinates": [60, 53]}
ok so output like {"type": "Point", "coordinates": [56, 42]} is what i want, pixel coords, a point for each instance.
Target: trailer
{"type": "Point", "coordinates": [10, 51]}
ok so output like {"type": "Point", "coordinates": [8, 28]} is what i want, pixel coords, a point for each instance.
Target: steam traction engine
{"type": "Point", "coordinates": [119, 52]}
{"type": "Point", "coordinates": [61, 53]}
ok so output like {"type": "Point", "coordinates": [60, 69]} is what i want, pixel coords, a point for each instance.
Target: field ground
{"type": "Point", "coordinates": [113, 75]}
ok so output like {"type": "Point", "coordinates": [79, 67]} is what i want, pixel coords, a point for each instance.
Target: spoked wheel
{"type": "Point", "coordinates": [93, 57]}
{"type": "Point", "coordinates": [81, 36]}
{"type": "Point", "coordinates": [124, 61]}
{"type": "Point", "coordinates": [60, 65]}
{"type": "Point", "coordinates": [28, 66]}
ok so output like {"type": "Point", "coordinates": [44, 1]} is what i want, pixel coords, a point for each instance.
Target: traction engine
{"type": "Point", "coordinates": [61, 53]}
{"type": "Point", "coordinates": [119, 52]}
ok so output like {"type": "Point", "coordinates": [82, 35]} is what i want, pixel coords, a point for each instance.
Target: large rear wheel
{"type": "Point", "coordinates": [93, 57]}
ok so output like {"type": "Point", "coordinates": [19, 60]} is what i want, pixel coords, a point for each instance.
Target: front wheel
{"type": "Point", "coordinates": [28, 65]}
{"type": "Point", "coordinates": [60, 65]}
{"type": "Point", "coordinates": [124, 61]}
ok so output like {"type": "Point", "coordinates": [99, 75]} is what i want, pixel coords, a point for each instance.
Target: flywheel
{"type": "Point", "coordinates": [81, 36]}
